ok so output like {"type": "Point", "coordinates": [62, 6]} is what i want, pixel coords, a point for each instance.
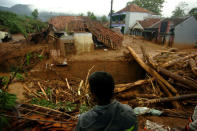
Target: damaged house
{"type": "Point", "coordinates": [176, 32]}
{"type": "Point", "coordinates": [140, 28]}
{"type": "Point", "coordinates": [127, 17]}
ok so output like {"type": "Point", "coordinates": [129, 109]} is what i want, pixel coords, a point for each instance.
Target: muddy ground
{"type": "Point", "coordinates": [112, 61]}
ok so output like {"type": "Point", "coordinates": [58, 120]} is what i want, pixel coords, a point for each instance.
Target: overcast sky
{"type": "Point", "coordinates": [99, 7]}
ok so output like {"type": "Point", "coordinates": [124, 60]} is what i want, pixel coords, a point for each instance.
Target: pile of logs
{"type": "Point", "coordinates": [175, 78]}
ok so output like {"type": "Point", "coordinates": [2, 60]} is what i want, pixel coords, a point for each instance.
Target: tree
{"type": "Point", "coordinates": [91, 15]}
{"type": "Point", "coordinates": [81, 14]}
{"type": "Point", "coordinates": [180, 10]}
{"type": "Point", "coordinates": [193, 12]}
{"type": "Point", "coordinates": [35, 14]}
{"type": "Point", "coordinates": [151, 5]}
{"type": "Point", "coordinates": [104, 19]}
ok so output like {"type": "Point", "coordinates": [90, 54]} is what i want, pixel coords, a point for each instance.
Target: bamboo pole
{"type": "Point", "coordinates": [43, 91]}
{"type": "Point", "coordinates": [122, 87]}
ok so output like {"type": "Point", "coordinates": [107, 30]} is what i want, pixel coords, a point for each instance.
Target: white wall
{"type": "Point", "coordinates": [186, 32]}
{"type": "Point", "coordinates": [132, 17]}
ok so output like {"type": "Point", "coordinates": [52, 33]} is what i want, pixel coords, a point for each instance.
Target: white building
{"type": "Point", "coordinates": [127, 17]}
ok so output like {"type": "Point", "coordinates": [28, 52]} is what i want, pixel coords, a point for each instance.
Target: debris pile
{"type": "Point", "coordinates": [108, 37]}
{"type": "Point", "coordinates": [52, 105]}
{"type": "Point", "coordinates": [171, 79]}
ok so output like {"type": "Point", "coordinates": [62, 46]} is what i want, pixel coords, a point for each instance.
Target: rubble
{"type": "Point", "coordinates": [108, 37]}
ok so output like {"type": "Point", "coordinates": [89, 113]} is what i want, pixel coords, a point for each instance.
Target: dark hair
{"type": "Point", "coordinates": [101, 85]}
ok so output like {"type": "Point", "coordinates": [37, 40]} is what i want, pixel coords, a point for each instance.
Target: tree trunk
{"type": "Point", "coordinates": [193, 66]}
{"type": "Point", "coordinates": [168, 99]}
{"type": "Point", "coordinates": [179, 78]}
{"type": "Point", "coordinates": [174, 61]}
{"type": "Point", "coordinates": [151, 71]}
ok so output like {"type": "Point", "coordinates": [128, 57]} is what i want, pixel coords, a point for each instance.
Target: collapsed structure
{"type": "Point", "coordinates": [100, 33]}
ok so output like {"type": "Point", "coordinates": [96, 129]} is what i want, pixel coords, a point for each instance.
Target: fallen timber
{"type": "Point", "coordinates": [168, 99]}
{"type": "Point", "coordinates": [179, 78]}
{"type": "Point", "coordinates": [123, 87]}
{"type": "Point", "coordinates": [150, 61]}
{"type": "Point", "coordinates": [174, 61]}
{"type": "Point", "coordinates": [150, 70]}
{"type": "Point", "coordinates": [193, 66]}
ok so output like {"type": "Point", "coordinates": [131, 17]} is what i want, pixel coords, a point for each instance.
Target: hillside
{"type": "Point", "coordinates": [19, 24]}
{"type": "Point", "coordinates": [21, 9]}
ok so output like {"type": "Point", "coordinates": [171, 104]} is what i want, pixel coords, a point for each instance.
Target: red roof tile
{"type": "Point", "coordinates": [148, 22]}
{"type": "Point", "coordinates": [61, 22]}
{"type": "Point", "coordinates": [134, 8]}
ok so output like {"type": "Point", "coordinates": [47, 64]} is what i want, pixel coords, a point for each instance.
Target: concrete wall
{"type": "Point", "coordinates": [186, 32]}
{"type": "Point", "coordinates": [132, 17]}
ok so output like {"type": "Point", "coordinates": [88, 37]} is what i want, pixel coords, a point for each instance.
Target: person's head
{"type": "Point", "coordinates": [101, 86]}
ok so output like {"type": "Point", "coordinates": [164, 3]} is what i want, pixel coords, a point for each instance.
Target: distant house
{"type": "Point", "coordinates": [140, 27]}
{"type": "Point", "coordinates": [127, 17]}
{"type": "Point", "coordinates": [176, 32]}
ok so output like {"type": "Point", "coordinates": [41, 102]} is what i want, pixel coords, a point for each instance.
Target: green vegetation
{"type": "Point", "coordinates": [63, 106]}
{"type": "Point", "coordinates": [7, 102]}
{"type": "Point", "coordinates": [91, 15]}
{"type": "Point", "coordinates": [104, 19]}
{"type": "Point", "coordinates": [193, 12]}
{"type": "Point", "coordinates": [28, 57]}
{"type": "Point", "coordinates": [151, 5]}
{"type": "Point", "coordinates": [180, 10]}
{"type": "Point", "coordinates": [35, 14]}
{"type": "Point", "coordinates": [20, 24]}
{"type": "Point", "coordinates": [84, 108]}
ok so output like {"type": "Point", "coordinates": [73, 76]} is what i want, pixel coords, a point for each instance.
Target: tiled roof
{"type": "Point", "coordinates": [134, 8]}
{"type": "Point", "coordinates": [61, 22]}
{"type": "Point", "coordinates": [148, 22]}
{"type": "Point", "coordinates": [174, 21]}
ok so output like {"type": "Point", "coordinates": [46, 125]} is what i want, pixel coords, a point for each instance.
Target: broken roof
{"type": "Point", "coordinates": [174, 21]}
{"type": "Point", "coordinates": [134, 8]}
{"type": "Point", "coordinates": [60, 22]}
{"type": "Point", "coordinates": [148, 22]}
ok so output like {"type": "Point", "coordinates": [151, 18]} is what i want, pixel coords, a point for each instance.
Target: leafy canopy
{"type": "Point", "coordinates": [193, 12]}
{"type": "Point", "coordinates": [151, 5]}
{"type": "Point", "coordinates": [180, 10]}
{"type": "Point", "coordinates": [91, 15]}
{"type": "Point", "coordinates": [35, 14]}
{"type": "Point", "coordinates": [20, 24]}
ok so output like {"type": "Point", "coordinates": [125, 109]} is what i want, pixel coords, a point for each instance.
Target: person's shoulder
{"type": "Point", "coordinates": [87, 118]}
{"type": "Point", "coordinates": [126, 111]}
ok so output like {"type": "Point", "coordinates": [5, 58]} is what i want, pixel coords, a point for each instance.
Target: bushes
{"type": "Point", "coordinates": [20, 24]}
